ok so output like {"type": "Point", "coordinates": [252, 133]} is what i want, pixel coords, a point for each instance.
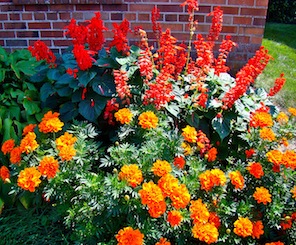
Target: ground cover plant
{"type": "Point", "coordinates": [151, 146]}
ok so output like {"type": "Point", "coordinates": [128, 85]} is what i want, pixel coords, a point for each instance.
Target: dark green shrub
{"type": "Point", "coordinates": [282, 11]}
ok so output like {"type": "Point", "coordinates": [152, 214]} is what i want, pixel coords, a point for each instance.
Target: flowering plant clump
{"type": "Point", "coordinates": [186, 153]}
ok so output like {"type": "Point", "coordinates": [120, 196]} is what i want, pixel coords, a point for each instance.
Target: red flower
{"type": "Point", "coordinates": [82, 56]}
{"type": "Point", "coordinates": [216, 26]}
{"type": "Point", "coordinates": [41, 52]}
{"type": "Point", "coordinates": [111, 107]}
{"type": "Point", "coordinates": [120, 37]}
{"type": "Point", "coordinates": [76, 32]}
{"type": "Point", "coordinates": [122, 87]}
{"type": "Point", "coordinates": [95, 37]}
{"type": "Point", "coordinates": [156, 27]}
{"type": "Point", "coordinates": [279, 83]}
{"type": "Point", "coordinates": [192, 5]}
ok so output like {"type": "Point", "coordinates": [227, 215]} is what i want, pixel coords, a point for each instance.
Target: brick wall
{"type": "Point", "coordinates": [22, 22]}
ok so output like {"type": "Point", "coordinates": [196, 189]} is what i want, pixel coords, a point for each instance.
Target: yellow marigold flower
{"type": "Point", "coordinates": [163, 241]}
{"type": "Point", "coordinates": [255, 169]}
{"type": "Point", "coordinates": [237, 179]}
{"type": "Point", "coordinates": [132, 174]}
{"type": "Point", "coordinates": [151, 195]}
{"type": "Point", "coordinates": [243, 227]}
{"type": "Point", "coordinates": [66, 139]}
{"type": "Point", "coordinates": [29, 143]}
{"type": "Point", "coordinates": [282, 118]}
{"type": "Point", "coordinates": [189, 134]}
{"type": "Point", "coordinates": [174, 217]}
{"type": "Point", "coordinates": [258, 229]}
{"type": "Point", "coordinates": [275, 156]}
{"type": "Point", "coordinates": [161, 168]}
{"type": "Point", "coordinates": [207, 233]}
{"type": "Point", "coordinates": [50, 123]}
{"type": "Point", "coordinates": [29, 179]}
{"type": "Point", "coordinates": [148, 120]}
{"type": "Point", "coordinates": [261, 119]}
{"type": "Point", "coordinates": [4, 174]}
{"type": "Point", "coordinates": [267, 134]}
{"type": "Point", "coordinates": [129, 236]}
{"type": "Point", "coordinates": [289, 159]}
{"type": "Point", "coordinates": [124, 116]}
{"type": "Point", "coordinates": [187, 148]}
{"type": "Point", "coordinates": [8, 146]}
{"type": "Point", "coordinates": [199, 212]}
{"type": "Point", "coordinates": [66, 153]}
{"type": "Point", "coordinates": [292, 111]}
{"type": "Point", "coordinates": [293, 191]}
{"type": "Point", "coordinates": [15, 155]}
{"type": "Point", "coordinates": [48, 166]}
{"type": "Point", "coordinates": [29, 128]}
{"type": "Point", "coordinates": [262, 195]}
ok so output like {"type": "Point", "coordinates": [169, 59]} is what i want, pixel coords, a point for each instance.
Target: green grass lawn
{"type": "Point", "coordinates": [280, 40]}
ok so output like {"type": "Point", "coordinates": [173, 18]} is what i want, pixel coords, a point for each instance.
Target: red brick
{"type": "Point", "coordinates": [27, 16]}
{"type": "Point", "coordinates": [263, 3]}
{"type": "Point", "coordinates": [251, 30]}
{"type": "Point", "coordinates": [59, 25]}
{"type": "Point", "coordinates": [170, 17]}
{"type": "Point", "coordinates": [17, 42]}
{"type": "Point", "coordinates": [131, 16]}
{"type": "Point", "coordinates": [27, 34]}
{"type": "Point", "coordinates": [3, 17]}
{"type": "Point", "coordinates": [39, 25]}
{"type": "Point", "coordinates": [2, 43]}
{"type": "Point", "coordinates": [216, 2]}
{"type": "Point", "coordinates": [9, 8]}
{"type": "Point", "coordinates": [14, 16]}
{"type": "Point", "coordinates": [168, 8]}
{"type": "Point", "coordinates": [47, 42]}
{"type": "Point", "coordinates": [240, 39]}
{"type": "Point", "coordinates": [229, 29]}
{"type": "Point", "coordinates": [39, 16]}
{"type": "Point", "coordinates": [230, 10]}
{"type": "Point", "coordinates": [172, 27]}
{"type": "Point", "coordinates": [75, 15]}
{"type": "Point", "coordinates": [14, 25]}
{"type": "Point", "coordinates": [32, 8]}
{"type": "Point", "coordinates": [259, 21]}
{"type": "Point", "coordinates": [242, 20]}
{"type": "Point", "coordinates": [53, 16]}
{"type": "Point", "coordinates": [256, 40]}
{"type": "Point", "coordinates": [7, 34]}
{"type": "Point", "coordinates": [242, 2]}
{"type": "Point", "coordinates": [140, 8]}
{"type": "Point", "coordinates": [52, 34]}
{"type": "Point", "coordinates": [62, 42]}
{"type": "Point", "coordinates": [111, 7]}
{"type": "Point", "coordinates": [61, 7]}
{"type": "Point", "coordinates": [143, 17]}
{"type": "Point", "coordinates": [253, 11]}
{"type": "Point", "coordinates": [204, 9]}
{"type": "Point", "coordinates": [116, 16]}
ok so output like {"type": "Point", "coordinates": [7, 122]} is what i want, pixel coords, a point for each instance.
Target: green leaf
{"type": "Point", "coordinates": [40, 74]}
{"type": "Point", "coordinates": [63, 80]}
{"type": "Point", "coordinates": [25, 199]}
{"type": "Point", "coordinates": [27, 67]}
{"type": "Point", "coordinates": [86, 77]}
{"type": "Point", "coordinates": [46, 91]}
{"type": "Point", "coordinates": [221, 126]}
{"type": "Point", "coordinates": [68, 111]}
{"type": "Point", "coordinates": [104, 85]}
{"type": "Point", "coordinates": [193, 120]}
{"type": "Point", "coordinates": [64, 91]}
{"type": "Point", "coordinates": [2, 74]}
{"type": "Point", "coordinates": [3, 55]}
{"type": "Point", "coordinates": [1, 205]}
{"type": "Point", "coordinates": [31, 107]}
{"type": "Point", "coordinates": [7, 127]}
{"type": "Point", "coordinates": [53, 74]}
{"type": "Point", "coordinates": [14, 112]}
{"type": "Point", "coordinates": [16, 70]}
{"type": "Point", "coordinates": [106, 62]}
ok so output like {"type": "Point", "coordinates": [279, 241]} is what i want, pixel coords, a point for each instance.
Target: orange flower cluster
{"type": "Point", "coordinates": [199, 212]}
{"type": "Point", "coordinates": [65, 145]}
{"type": "Point", "coordinates": [262, 195]}
{"type": "Point", "coordinates": [287, 159]}
{"type": "Point", "coordinates": [211, 178]}
{"type": "Point", "coordinates": [211, 154]}
{"type": "Point", "coordinates": [29, 128]}
{"type": "Point", "coordinates": [178, 193]}
{"type": "Point", "coordinates": [237, 179]}
{"type": "Point", "coordinates": [50, 123]}
{"type": "Point", "coordinates": [282, 118]}
{"type": "Point", "coordinates": [267, 134]}
{"type": "Point", "coordinates": [148, 120]}
{"type": "Point", "coordinates": [258, 229]}
{"type": "Point", "coordinates": [189, 134]}
{"type": "Point", "coordinates": [249, 153]}
{"type": "Point", "coordinates": [243, 227]}
{"type": "Point", "coordinates": [179, 162]}
{"type": "Point", "coordinates": [132, 174]}
{"type": "Point", "coordinates": [124, 116]}
{"type": "Point", "coordinates": [174, 217]}
{"type": "Point", "coordinates": [161, 168]}
{"type": "Point", "coordinates": [7, 146]}
{"type": "Point", "coordinates": [275, 243]}
{"type": "Point", "coordinates": [255, 169]}
{"type": "Point", "coordinates": [163, 241]}
{"type": "Point", "coordinates": [129, 236]}
{"type": "Point", "coordinates": [29, 143]}
{"type": "Point", "coordinates": [292, 111]}
{"type": "Point", "coordinates": [207, 233]}
{"type": "Point", "coordinates": [29, 179]}
{"type": "Point", "coordinates": [151, 195]}
{"type": "Point", "coordinates": [15, 155]}
{"type": "Point", "coordinates": [261, 119]}
{"type": "Point", "coordinates": [48, 166]}
{"type": "Point", "coordinates": [4, 174]}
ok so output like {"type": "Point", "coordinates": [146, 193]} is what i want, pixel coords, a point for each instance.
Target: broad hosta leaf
{"type": "Point", "coordinates": [85, 77]}
{"type": "Point", "coordinates": [104, 85]}
{"type": "Point", "coordinates": [221, 126]}
{"type": "Point", "coordinates": [40, 75]}
{"type": "Point", "coordinates": [46, 91]}
{"type": "Point", "coordinates": [27, 67]}
{"type": "Point", "coordinates": [68, 111]}
{"type": "Point", "coordinates": [53, 74]}
{"type": "Point", "coordinates": [31, 107]}
{"type": "Point", "coordinates": [193, 120]}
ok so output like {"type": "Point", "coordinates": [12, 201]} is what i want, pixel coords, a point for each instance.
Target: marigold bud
{"type": "Point", "coordinates": [127, 197]}
{"type": "Point", "coordinates": [228, 231]}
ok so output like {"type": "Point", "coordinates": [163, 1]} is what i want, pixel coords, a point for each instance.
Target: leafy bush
{"type": "Point", "coordinates": [282, 11]}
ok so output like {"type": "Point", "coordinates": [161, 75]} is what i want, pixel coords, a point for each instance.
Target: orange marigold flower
{"type": "Point", "coordinates": [29, 143]}
{"type": "Point", "coordinates": [199, 212]}
{"type": "Point", "coordinates": [287, 223]}
{"type": "Point", "coordinates": [243, 227]}
{"type": "Point", "coordinates": [167, 184]}
{"type": "Point", "coordinates": [275, 243]}
{"type": "Point", "coordinates": [282, 118]}
{"type": "Point", "coordinates": [289, 159]}
{"type": "Point", "coordinates": [212, 178]}
{"type": "Point", "coordinates": [161, 168]}
{"type": "Point", "coordinates": [189, 134]}
{"type": "Point", "coordinates": [15, 155]}
{"type": "Point", "coordinates": [4, 174]}
{"type": "Point", "coordinates": [212, 154]}
{"type": "Point", "coordinates": [255, 169]}
{"type": "Point", "coordinates": [261, 119]}
{"type": "Point", "coordinates": [151, 195]}
{"type": "Point", "coordinates": [207, 233]}
{"type": "Point", "coordinates": [174, 217]}
{"type": "Point", "coordinates": [124, 116]}
{"type": "Point", "coordinates": [214, 219]}
{"type": "Point", "coordinates": [293, 191]}
{"type": "Point", "coordinates": [50, 123]}
{"type": "Point", "coordinates": [66, 153]}
{"type": "Point", "coordinates": [148, 120]}
{"type": "Point", "coordinates": [129, 236]}
{"type": "Point", "coordinates": [179, 162]}
{"type": "Point", "coordinates": [237, 179]}
{"type": "Point", "coordinates": [29, 128]}
{"type": "Point", "coordinates": [180, 196]}
{"type": "Point", "coordinates": [8, 146]}
{"type": "Point", "coordinates": [262, 195]}
{"type": "Point", "coordinates": [29, 179]}
{"type": "Point", "coordinates": [132, 174]}
{"type": "Point", "coordinates": [250, 152]}
{"type": "Point", "coordinates": [275, 156]}
{"type": "Point", "coordinates": [163, 241]}
{"type": "Point", "coordinates": [292, 111]}
{"type": "Point", "coordinates": [66, 139]}
{"type": "Point", "coordinates": [258, 229]}
{"type": "Point", "coordinates": [48, 166]}
{"type": "Point", "coordinates": [267, 134]}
